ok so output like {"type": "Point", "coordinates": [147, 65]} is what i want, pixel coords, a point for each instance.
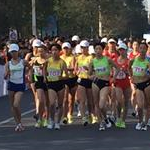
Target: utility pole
{"type": "Point", "coordinates": [33, 18]}
{"type": "Point", "coordinates": [100, 21]}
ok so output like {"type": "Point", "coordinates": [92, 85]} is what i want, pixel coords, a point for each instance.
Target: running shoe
{"type": "Point", "coordinates": [122, 124]}
{"type": "Point", "coordinates": [118, 123]}
{"type": "Point", "coordinates": [102, 127]}
{"type": "Point", "coordinates": [85, 121]}
{"type": "Point", "coordinates": [38, 124]}
{"type": "Point", "coordinates": [36, 117]}
{"type": "Point", "coordinates": [57, 126]}
{"type": "Point", "coordinates": [108, 123]}
{"type": "Point", "coordinates": [79, 113]}
{"type": "Point", "coordinates": [19, 128]}
{"type": "Point", "coordinates": [94, 120]}
{"type": "Point", "coordinates": [44, 122]}
{"type": "Point", "coordinates": [138, 126]}
{"type": "Point", "coordinates": [144, 127]}
{"type": "Point", "coordinates": [70, 119]}
{"type": "Point", "coordinates": [112, 119]}
{"type": "Point", "coordinates": [65, 120]}
{"type": "Point", "coordinates": [50, 125]}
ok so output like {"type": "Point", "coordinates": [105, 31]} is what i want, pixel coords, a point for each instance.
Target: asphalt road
{"type": "Point", "coordinates": [70, 137]}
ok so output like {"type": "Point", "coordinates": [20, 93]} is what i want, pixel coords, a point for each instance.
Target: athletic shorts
{"type": "Point", "coordinates": [16, 87]}
{"type": "Point", "coordinates": [41, 85]}
{"type": "Point", "coordinates": [87, 83]}
{"type": "Point", "coordinates": [71, 82]}
{"type": "Point", "coordinates": [123, 83]}
{"type": "Point", "coordinates": [141, 86]}
{"type": "Point", "coordinates": [56, 85]}
{"type": "Point", "coordinates": [101, 83]}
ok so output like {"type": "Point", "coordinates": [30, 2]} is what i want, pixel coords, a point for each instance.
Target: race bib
{"type": "Point", "coordinates": [17, 74]}
{"type": "Point", "coordinates": [54, 73]}
{"type": "Point", "coordinates": [121, 75]}
{"type": "Point", "coordinates": [101, 69]}
{"type": "Point", "coordinates": [37, 71]}
{"type": "Point", "coordinates": [138, 69]}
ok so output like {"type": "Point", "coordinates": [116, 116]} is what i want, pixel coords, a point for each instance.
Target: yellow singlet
{"type": "Point", "coordinates": [54, 69]}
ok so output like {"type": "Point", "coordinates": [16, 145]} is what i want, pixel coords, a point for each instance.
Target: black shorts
{"type": "Point", "coordinates": [87, 83]}
{"type": "Point", "coordinates": [41, 85]}
{"type": "Point", "coordinates": [71, 82]}
{"type": "Point", "coordinates": [101, 83]}
{"type": "Point", "coordinates": [56, 85]}
{"type": "Point", "coordinates": [141, 86]}
{"type": "Point", "coordinates": [16, 87]}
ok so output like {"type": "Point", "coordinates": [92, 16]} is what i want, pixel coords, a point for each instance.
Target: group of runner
{"type": "Point", "coordinates": [101, 77]}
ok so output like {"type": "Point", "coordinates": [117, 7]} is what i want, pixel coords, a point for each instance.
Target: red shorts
{"type": "Point", "coordinates": [122, 83]}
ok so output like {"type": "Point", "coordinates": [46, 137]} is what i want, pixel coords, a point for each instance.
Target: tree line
{"type": "Point", "coordinates": [118, 17]}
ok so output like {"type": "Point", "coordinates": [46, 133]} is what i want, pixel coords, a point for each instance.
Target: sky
{"type": "Point", "coordinates": [148, 2]}
{"type": "Point", "coordinates": [148, 5]}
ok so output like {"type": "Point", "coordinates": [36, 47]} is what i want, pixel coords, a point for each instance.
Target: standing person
{"type": "Point", "coordinates": [84, 89]}
{"type": "Point", "coordinates": [100, 71]}
{"type": "Point", "coordinates": [75, 43]}
{"type": "Point", "coordinates": [30, 58]}
{"type": "Point", "coordinates": [2, 70]}
{"type": "Point", "coordinates": [135, 52]}
{"type": "Point", "coordinates": [130, 49]}
{"type": "Point", "coordinates": [122, 86]}
{"type": "Point", "coordinates": [70, 83]}
{"type": "Point", "coordinates": [15, 73]}
{"type": "Point", "coordinates": [40, 86]}
{"type": "Point", "coordinates": [111, 52]}
{"type": "Point", "coordinates": [141, 80]}
{"type": "Point", "coordinates": [53, 70]}
{"type": "Point", "coordinates": [132, 55]}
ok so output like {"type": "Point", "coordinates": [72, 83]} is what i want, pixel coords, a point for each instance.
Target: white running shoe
{"type": "Point", "coordinates": [79, 114]}
{"type": "Point", "coordinates": [102, 127]}
{"type": "Point", "coordinates": [144, 127]}
{"type": "Point", "coordinates": [108, 123]}
{"type": "Point", "coordinates": [138, 126]}
{"type": "Point", "coordinates": [50, 125]}
{"type": "Point", "coordinates": [57, 126]}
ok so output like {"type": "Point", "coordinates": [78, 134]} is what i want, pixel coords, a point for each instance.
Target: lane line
{"type": "Point", "coordinates": [12, 118]}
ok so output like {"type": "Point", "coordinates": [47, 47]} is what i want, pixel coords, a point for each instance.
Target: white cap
{"type": "Point", "coordinates": [147, 40]}
{"type": "Point", "coordinates": [91, 49]}
{"type": "Point", "coordinates": [66, 44]}
{"type": "Point", "coordinates": [13, 47]}
{"type": "Point", "coordinates": [104, 40]}
{"type": "Point", "coordinates": [112, 41]}
{"type": "Point", "coordinates": [84, 43]}
{"type": "Point", "coordinates": [75, 38]}
{"type": "Point", "coordinates": [123, 46]}
{"type": "Point", "coordinates": [120, 41]}
{"type": "Point", "coordinates": [36, 43]}
{"type": "Point", "coordinates": [78, 49]}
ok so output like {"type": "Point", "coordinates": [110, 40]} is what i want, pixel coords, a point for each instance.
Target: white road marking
{"type": "Point", "coordinates": [12, 118]}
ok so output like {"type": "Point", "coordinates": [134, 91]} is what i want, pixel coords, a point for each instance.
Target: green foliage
{"type": "Point", "coordinates": [119, 17]}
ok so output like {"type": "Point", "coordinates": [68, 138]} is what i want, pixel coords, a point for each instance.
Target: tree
{"type": "Point", "coordinates": [119, 17]}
